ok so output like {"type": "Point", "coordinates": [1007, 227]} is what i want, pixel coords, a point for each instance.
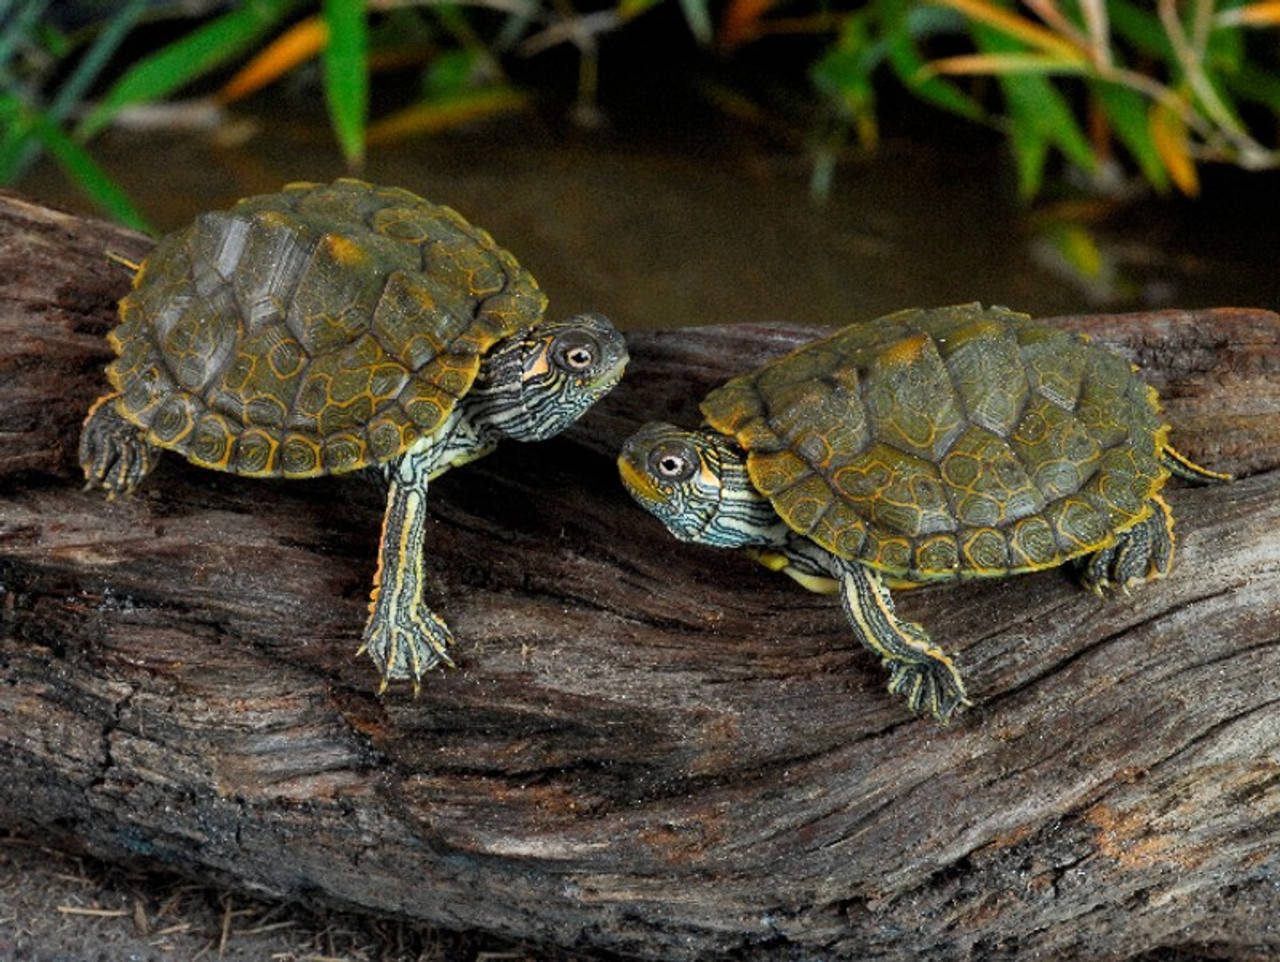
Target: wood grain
{"type": "Point", "coordinates": [650, 748]}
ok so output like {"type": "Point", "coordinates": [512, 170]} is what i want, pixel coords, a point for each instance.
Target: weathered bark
{"type": "Point", "coordinates": [649, 747]}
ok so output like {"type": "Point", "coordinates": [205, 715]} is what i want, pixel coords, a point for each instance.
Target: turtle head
{"type": "Point", "coordinates": [696, 483]}
{"type": "Point", "coordinates": [534, 384]}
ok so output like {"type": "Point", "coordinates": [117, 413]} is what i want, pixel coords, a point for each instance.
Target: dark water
{"type": "Point", "coordinates": [709, 221]}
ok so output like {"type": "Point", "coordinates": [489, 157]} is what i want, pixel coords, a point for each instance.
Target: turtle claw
{"type": "Point", "coordinates": [931, 687]}
{"type": "Point", "coordinates": [405, 642]}
{"type": "Point", "coordinates": [1141, 553]}
{"type": "Point", "coordinates": [114, 453]}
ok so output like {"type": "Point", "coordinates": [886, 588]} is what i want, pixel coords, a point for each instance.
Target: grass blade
{"type": "Point", "coordinates": [300, 43]}
{"type": "Point", "coordinates": [1030, 150]}
{"type": "Point", "coordinates": [182, 61]}
{"type": "Point", "coordinates": [1004, 63]}
{"type": "Point", "coordinates": [1141, 28]}
{"type": "Point", "coordinates": [1035, 103]}
{"type": "Point", "coordinates": [1265, 14]}
{"type": "Point", "coordinates": [17, 155]}
{"type": "Point", "coordinates": [445, 113]}
{"type": "Point", "coordinates": [904, 22]}
{"type": "Point", "coordinates": [1169, 135]}
{"type": "Point", "coordinates": [698, 17]}
{"type": "Point", "coordinates": [346, 75]}
{"type": "Point", "coordinates": [1011, 25]}
{"type": "Point", "coordinates": [86, 173]}
{"type": "Point", "coordinates": [1126, 110]}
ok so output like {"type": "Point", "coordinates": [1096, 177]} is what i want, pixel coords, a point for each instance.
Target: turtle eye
{"type": "Point", "coordinates": [672, 462]}
{"type": "Point", "coordinates": [575, 352]}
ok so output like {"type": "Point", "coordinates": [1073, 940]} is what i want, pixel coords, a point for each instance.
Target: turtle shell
{"type": "Point", "coordinates": [959, 441]}
{"type": "Point", "coordinates": [319, 329]}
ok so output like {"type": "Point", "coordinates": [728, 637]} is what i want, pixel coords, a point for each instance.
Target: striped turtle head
{"type": "Point", "coordinates": [696, 483]}
{"type": "Point", "coordinates": [536, 383]}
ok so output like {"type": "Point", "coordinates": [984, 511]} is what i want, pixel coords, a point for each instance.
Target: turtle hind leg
{"type": "Point", "coordinates": [114, 452]}
{"type": "Point", "coordinates": [919, 670]}
{"type": "Point", "coordinates": [1188, 470]}
{"type": "Point", "coordinates": [1141, 553]}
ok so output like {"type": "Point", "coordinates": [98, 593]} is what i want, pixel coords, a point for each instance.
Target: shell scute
{"type": "Point", "coordinates": [985, 481]}
{"type": "Point", "coordinates": [909, 398]}
{"type": "Point", "coordinates": [985, 364]}
{"type": "Point", "coordinates": [254, 453]}
{"type": "Point", "coordinates": [211, 441]}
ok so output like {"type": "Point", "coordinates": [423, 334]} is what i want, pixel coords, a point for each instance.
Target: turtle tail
{"type": "Point", "coordinates": [127, 263]}
{"type": "Point", "coordinates": [1190, 471]}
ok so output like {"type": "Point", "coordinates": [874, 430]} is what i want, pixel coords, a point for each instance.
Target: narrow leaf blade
{"type": "Point", "coordinates": [346, 75]}
{"type": "Point", "coordinates": [1016, 27]}
{"type": "Point", "coordinates": [1126, 110]}
{"type": "Point", "coordinates": [300, 43]}
{"type": "Point", "coordinates": [1169, 135]}
{"type": "Point", "coordinates": [184, 60]}
{"type": "Point", "coordinates": [86, 173]}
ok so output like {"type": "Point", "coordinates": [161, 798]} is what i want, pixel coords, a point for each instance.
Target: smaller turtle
{"type": "Point", "coordinates": [928, 445]}
{"type": "Point", "coordinates": [333, 327]}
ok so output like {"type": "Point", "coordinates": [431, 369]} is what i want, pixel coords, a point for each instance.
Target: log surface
{"type": "Point", "coordinates": [649, 748]}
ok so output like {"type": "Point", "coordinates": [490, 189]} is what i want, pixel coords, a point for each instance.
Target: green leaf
{"type": "Point", "coordinates": [1226, 49]}
{"type": "Point", "coordinates": [1253, 82]}
{"type": "Point", "coordinates": [1030, 149]}
{"type": "Point", "coordinates": [1141, 28]}
{"type": "Point", "coordinates": [1128, 112]}
{"type": "Point", "coordinates": [452, 73]}
{"type": "Point", "coordinates": [844, 74]}
{"type": "Point", "coordinates": [17, 154]}
{"type": "Point", "coordinates": [346, 75]}
{"type": "Point", "coordinates": [86, 173]}
{"type": "Point", "coordinates": [904, 23]}
{"type": "Point", "coordinates": [698, 16]}
{"type": "Point", "coordinates": [1037, 107]}
{"type": "Point", "coordinates": [182, 61]}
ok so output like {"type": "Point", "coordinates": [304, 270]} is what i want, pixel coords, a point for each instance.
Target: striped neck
{"type": "Point", "coordinates": [696, 483]}
{"type": "Point", "coordinates": [533, 385]}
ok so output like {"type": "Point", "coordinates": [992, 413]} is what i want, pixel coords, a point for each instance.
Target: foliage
{"type": "Point", "coordinates": [1174, 86]}
{"type": "Point", "coordinates": [1171, 87]}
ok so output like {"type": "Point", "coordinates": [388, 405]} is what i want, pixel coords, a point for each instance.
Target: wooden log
{"type": "Point", "coordinates": [649, 748]}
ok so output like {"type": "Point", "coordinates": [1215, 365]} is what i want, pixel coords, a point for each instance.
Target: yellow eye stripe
{"type": "Point", "coordinates": [638, 482]}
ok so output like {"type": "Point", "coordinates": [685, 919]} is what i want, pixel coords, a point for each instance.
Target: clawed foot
{"type": "Point", "coordinates": [114, 454]}
{"type": "Point", "coordinates": [930, 687]}
{"type": "Point", "coordinates": [1141, 553]}
{"type": "Point", "coordinates": [406, 642]}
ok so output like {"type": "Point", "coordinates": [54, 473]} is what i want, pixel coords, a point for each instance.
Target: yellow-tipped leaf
{"type": "Point", "coordinates": [300, 43]}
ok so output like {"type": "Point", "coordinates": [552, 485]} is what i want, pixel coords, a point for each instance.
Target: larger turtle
{"type": "Point", "coordinates": [958, 442]}
{"type": "Point", "coordinates": [328, 328]}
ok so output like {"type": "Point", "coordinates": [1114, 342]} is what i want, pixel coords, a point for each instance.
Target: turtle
{"type": "Point", "coordinates": [928, 445]}
{"type": "Point", "coordinates": [328, 328]}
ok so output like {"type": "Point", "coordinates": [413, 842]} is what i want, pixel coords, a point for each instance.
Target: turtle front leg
{"type": "Point", "coordinates": [1141, 553]}
{"type": "Point", "coordinates": [403, 636]}
{"type": "Point", "coordinates": [114, 453]}
{"type": "Point", "coordinates": [919, 670]}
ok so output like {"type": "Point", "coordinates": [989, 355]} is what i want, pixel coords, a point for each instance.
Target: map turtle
{"type": "Point", "coordinates": [328, 328]}
{"type": "Point", "coordinates": [928, 445]}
